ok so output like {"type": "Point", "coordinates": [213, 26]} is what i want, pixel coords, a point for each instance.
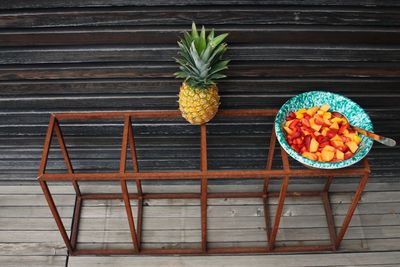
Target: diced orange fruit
{"type": "Point", "coordinates": [310, 155]}
{"type": "Point", "coordinates": [335, 126]}
{"type": "Point", "coordinates": [357, 139]}
{"type": "Point", "coordinates": [352, 146]}
{"type": "Point", "coordinates": [288, 130]}
{"type": "Point", "coordinates": [325, 107]}
{"type": "Point", "coordinates": [324, 131]}
{"type": "Point", "coordinates": [327, 115]}
{"type": "Point", "coordinates": [312, 111]}
{"type": "Point", "coordinates": [314, 145]}
{"type": "Point", "coordinates": [327, 154]}
{"type": "Point", "coordinates": [336, 119]}
{"type": "Point", "coordinates": [336, 138]}
{"type": "Point", "coordinates": [313, 125]}
{"type": "Point", "coordinates": [339, 154]}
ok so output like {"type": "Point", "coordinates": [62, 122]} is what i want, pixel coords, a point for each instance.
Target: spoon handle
{"type": "Point", "coordinates": [381, 139]}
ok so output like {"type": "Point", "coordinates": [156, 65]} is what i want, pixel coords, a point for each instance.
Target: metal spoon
{"type": "Point", "coordinates": [379, 138]}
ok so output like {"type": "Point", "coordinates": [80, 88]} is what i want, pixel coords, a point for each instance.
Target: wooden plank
{"type": "Point", "coordinates": [215, 15]}
{"type": "Point", "coordinates": [68, 200]}
{"type": "Point", "coordinates": [336, 259]}
{"type": "Point", "coordinates": [194, 235]}
{"type": "Point", "coordinates": [31, 248]}
{"type": "Point", "coordinates": [62, 189]}
{"type": "Point", "coordinates": [312, 70]}
{"type": "Point", "coordinates": [167, 53]}
{"type": "Point", "coordinates": [168, 101]}
{"type": "Point", "coordinates": [238, 35]}
{"type": "Point", "coordinates": [276, 88]}
{"type": "Point", "coordinates": [34, 261]}
{"type": "Point", "coordinates": [239, 211]}
{"type": "Point", "coordinates": [96, 3]}
{"type": "Point", "coordinates": [193, 211]}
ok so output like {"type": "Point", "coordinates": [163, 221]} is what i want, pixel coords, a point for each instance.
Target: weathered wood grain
{"type": "Point", "coordinates": [338, 259]}
{"type": "Point", "coordinates": [34, 261]}
{"type": "Point", "coordinates": [209, 15]}
{"type": "Point", "coordinates": [50, 55]}
{"type": "Point", "coordinates": [96, 3]}
{"type": "Point", "coordinates": [145, 35]}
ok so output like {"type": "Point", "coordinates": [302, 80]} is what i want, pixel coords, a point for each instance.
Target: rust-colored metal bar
{"type": "Point", "coordinates": [46, 146]}
{"type": "Point", "coordinates": [352, 208]}
{"type": "Point", "coordinates": [204, 185]}
{"type": "Point", "coordinates": [56, 215]}
{"type": "Point", "coordinates": [67, 159]}
{"type": "Point", "coordinates": [75, 222]}
{"type": "Point", "coordinates": [270, 158]}
{"type": "Point", "coordinates": [159, 114]}
{"type": "Point", "coordinates": [125, 194]}
{"type": "Point", "coordinates": [328, 184]}
{"type": "Point", "coordinates": [135, 164]}
{"type": "Point", "coordinates": [194, 175]}
{"type": "Point", "coordinates": [197, 195]}
{"type": "Point", "coordinates": [265, 195]}
{"type": "Point", "coordinates": [329, 218]}
{"type": "Point", "coordinates": [140, 221]}
{"type": "Point", "coordinates": [281, 201]}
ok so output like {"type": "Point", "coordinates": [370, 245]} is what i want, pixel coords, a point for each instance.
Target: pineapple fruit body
{"type": "Point", "coordinates": [198, 106]}
{"type": "Point", "coordinates": [201, 64]}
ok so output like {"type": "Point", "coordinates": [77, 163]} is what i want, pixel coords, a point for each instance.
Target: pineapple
{"type": "Point", "coordinates": [201, 64]}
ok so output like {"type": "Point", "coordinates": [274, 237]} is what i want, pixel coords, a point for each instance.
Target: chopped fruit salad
{"type": "Point", "coordinates": [321, 135]}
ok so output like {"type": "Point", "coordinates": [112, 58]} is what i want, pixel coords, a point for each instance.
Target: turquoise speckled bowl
{"type": "Point", "coordinates": [354, 113]}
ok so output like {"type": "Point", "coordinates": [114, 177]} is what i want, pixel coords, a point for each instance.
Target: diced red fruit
{"type": "Point", "coordinates": [307, 141]}
{"type": "Point", "coordinates": [331, 133]}
{"type": "Point", "coordinates": [319, 138]}
{"type": "Point", "coordinates": [292, 115]}
{"type": "Point", "coordinates": [296, 134]}
{"type": "Point", "coordinates": [323, 144]}
{"type": "Point", "coordinates": [342, 128]}
{"type": "Point", "coordinates": [294, 123]}
{"type": "Point", "coordinates": [319, 121]}
{"type": "Point", "coordinates": [307, 117]}
{"type": "Point", "coordinates": [305, 122]}
{"type": "Point", "coordinates": [348, 155]}
{"type": "Point", "coordinates": [345, 138]}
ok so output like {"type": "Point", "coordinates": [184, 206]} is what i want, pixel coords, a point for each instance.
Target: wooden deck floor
{"type": "Point", "coordinates": [29, 236]}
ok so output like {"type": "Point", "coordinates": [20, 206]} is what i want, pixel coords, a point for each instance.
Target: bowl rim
{"type": "Point", "coordinates": [318, 164]}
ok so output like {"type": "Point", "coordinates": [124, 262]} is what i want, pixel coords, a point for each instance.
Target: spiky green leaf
{"type": "Point", "coordinates": [201, 58]}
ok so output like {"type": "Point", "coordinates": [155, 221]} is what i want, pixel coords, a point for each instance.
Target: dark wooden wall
{"type": "Point", "coordinates": [117, 55]}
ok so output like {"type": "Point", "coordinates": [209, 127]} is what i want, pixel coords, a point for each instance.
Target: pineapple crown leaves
{"type": "Point", "coordinates": [200, 58]}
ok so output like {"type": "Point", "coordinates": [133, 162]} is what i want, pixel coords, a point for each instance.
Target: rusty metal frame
{"type": "Point", "coordinates": [203, 175]}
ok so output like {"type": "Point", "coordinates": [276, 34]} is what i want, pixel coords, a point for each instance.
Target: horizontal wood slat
{"type": "Point", "coordinates": [167, 54]}
{"type": "Point", "coordinates": [169, 35]}
{"type": "Point", "coordinates": [209, 15]}
{"type": "Point", "coordinates": [96, 3]}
